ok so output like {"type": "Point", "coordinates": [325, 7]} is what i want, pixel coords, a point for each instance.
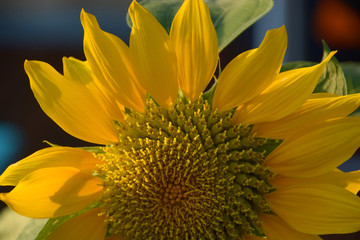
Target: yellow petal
{"type": "Point", "coordinates": [287, 93]}
{"type": "Point", "coordinates": [196, 47]}
{"type": "Point", "coordinates": [154, 56]}
{"type": "Point", "coordinates": [80, 71]}
{"type": "Point", "coordinates": [87, 226]}
{"type": "Point", "coordinates": [318, 150]}
{"type": "Point", "coordinates": [109, 59]}
{"type": "Point", "coordinates": [53, 192]}
{"type": "Point", "coordinates": [352, 180]}
{"type": "Point", "coordinates": [347, 180]}
{"type": "Point", "coordinates": [317, 208]}
{"type": "Point", "coordinates": [313, 111]}
{"type": "Point", "coordinates": [48, 158]}
{"type": "Point", "coordinates": [251, 72]}
{"type": "Point", "coordinates": [276, 229]}
{"type": "Point", "coordinates": [70, 104]}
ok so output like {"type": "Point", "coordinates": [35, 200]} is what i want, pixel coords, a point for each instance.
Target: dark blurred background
{"type": "Point", "coordinates": [48, 30]}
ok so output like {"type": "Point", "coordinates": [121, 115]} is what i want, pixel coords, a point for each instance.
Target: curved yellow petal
{"type": "Point", "coordinates": [70, 104]}
{"type": "Point", "coordinates": [313, 111]}
{"type": "Point", "coordinates": [277, 229]}
{"type": "Point", "coordinates": [110, 60]}
{"type": "Point", "coordinates": [317, 208]}
{"type": "Point", "coordinates": [318, 150]}
{"type": "Point", "coordinates": [352, 180]}
{"type": "Point", "coordinates": [251, 72]}
{"type": "Point", "coordinates": [154, 56]}
{"type": "Point", "coordinates": [53, 192]}
{"type": "Point", "coordinates": [196, 47]}
{"type": "Point", "coordinates": [86, 226]}
{"type": "Point", "coordinates": [287, 93]}
{"type": "Point", "coordinates": [80, 71]}
{"type": "Point", "coordinates": [49, 158]}
{"type": "Point", "coordinates": [347, 180]}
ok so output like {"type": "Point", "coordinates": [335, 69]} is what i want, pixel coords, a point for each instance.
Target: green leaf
{"type": "Point", "coordinates": [94, 149]}
{"type": "Point", "coordinates": [296, 64]}
{"type": "Point", "coordinates": [209, 95]}
{"type": "Point", "coordinates": [352, 75]}
{"type": "Point", "coordinates": [230, 17]}
{"type": "Point", "coordinates": [332, 79]}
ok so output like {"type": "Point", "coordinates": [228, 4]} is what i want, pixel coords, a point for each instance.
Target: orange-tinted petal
{"type": "Point", "coordinates": [318, 150]}
{"type": "Point", "coordinates": [317, 208]}
{"type": "Point", "coordinates": [287, 93]}
{"type": "Point", "coordinates": [251, 72]}
{"type": "Point", "coordinates": [196, 47]}
{"type": "Point", "coordinates": [53, 192]}
{"type": "Point", "coordinates": [109, 59]}
{"type": "Point", "coordinates": [70, 104]}
{"type": "Point", "coordinates": [276, 229]}
{"type": "Point", "coordinates": [49, 158]}
{"type": "Point", "coordinates": [87, 226]}
{"type": "Point", "coordinates": [154, 56]}
{"type": "Point", "coordinates": [313, 111]}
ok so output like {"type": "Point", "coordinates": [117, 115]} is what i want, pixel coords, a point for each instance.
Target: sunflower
{"type": "Point", "coordinates": [255, 157]}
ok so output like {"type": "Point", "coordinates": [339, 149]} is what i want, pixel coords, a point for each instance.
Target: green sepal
{"type": "Point", "coordinates": [93, 149]}
{"type": "Point", "coordinates": [230, 17]}
{"type": "Point", "coordinates": [257, 230]}
{"type": "Point", "coordinates": [296, 64]}
{"type": "Point", "coordinates": [352, 75]}
{"type": "Point", "coordinates": [332, 79]}
{"type": "Point", "coordinates": [269, 146]}
{"type": "Point", "coordinates": [209, 95]}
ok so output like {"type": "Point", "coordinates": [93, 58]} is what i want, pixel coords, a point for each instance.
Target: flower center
{"type": "Point", "coordinates": [184, 173]}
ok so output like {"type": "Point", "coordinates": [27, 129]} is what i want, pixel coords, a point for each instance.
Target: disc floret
{"type": "Point", "coordinates": [184, 173]}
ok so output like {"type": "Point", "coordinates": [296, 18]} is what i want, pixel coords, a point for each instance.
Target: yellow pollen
{"type": "Point", "coordinates": [184, 173]}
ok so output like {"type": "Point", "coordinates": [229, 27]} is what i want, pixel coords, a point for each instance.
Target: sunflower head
{"type": "Point", "coordinates": [253, 158]}
{"type": "Point", "coordinates": [186, 172]}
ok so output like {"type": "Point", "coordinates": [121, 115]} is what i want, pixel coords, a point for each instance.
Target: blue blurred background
{"type": "Point", "coordinates": [48, 30]}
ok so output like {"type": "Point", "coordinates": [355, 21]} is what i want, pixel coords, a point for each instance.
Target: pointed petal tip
{"type": "Point", "coordinates": [28, 64]}
{"type": "Point", "coordinates": [133, 5]}
{"type": "Point", "coordinates": [82, 15]}
{"type": "Point", "coordinates": [330, 55]}
{"type": "Point", "coordinates": [33, 65]}
{"type": "Point", "coordinates": [87, 18]}
{"type": "Point", "coordinates": [276, 32]}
